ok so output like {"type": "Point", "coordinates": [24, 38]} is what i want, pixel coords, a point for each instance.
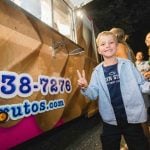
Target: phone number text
{"type": "Point", "coordinates": [13, 84]}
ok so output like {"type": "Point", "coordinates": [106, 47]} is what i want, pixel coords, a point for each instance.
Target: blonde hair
{"type": "Point", "coordinates": [147, 35]}
{"type": "Point", "coordinates": [105, 33]}
{"type": "Point", "coordinates": [119, 33]}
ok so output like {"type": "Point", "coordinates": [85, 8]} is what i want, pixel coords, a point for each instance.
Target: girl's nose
{"type": "Point", "coordinates": [107, 44]}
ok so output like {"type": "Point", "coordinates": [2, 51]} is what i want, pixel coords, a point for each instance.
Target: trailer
{"type": "Point", "coordinates": [42, 44]}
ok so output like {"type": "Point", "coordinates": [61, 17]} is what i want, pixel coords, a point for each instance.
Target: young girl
{"type": "Point", "coordinates": [123, 49]}
{"type": "Point", "coordinates": [141, 64]}
{"type": "Point", "coordinates": [118, 85]}
{"type": "Point", "coordinates": [147, 42]}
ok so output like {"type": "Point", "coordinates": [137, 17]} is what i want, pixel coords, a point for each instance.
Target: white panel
{"type": "Point", "coordinates": [77, 3]}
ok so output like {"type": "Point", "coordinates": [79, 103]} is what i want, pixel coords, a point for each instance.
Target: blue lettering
{"type": "Point", "coordinates": [55, 104]}
{"type": "Point", "coordinates": [26, 106]}
{"type": "Point", "coordinates": [16, 111]}
{"type": "Point", "coordinates": [34, 107]}
{"type": "Point", "coordinates": [42, 106]}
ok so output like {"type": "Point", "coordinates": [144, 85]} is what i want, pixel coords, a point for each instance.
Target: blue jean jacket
{"type": "Point", "coordinates": [132, 85]}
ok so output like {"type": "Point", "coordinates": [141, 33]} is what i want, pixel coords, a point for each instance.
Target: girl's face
{"type": "Point", "coordinates": [147, 40]}
{"type": "Point", "coordinates": [107, 46]}
{"type": "Point", "coordinates": [139, 56]}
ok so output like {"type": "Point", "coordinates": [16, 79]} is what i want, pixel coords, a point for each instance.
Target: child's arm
{"type": "Point", "coordinates": [82, 82]}
{"type": "Point", "coordinates": [147, 75]}
{"type": "Point", "coordinates": [91, 90]}
{"type": "Point", "coordinates": [145, 88]}
{"type": "Point", "coordinates": [144, 84]}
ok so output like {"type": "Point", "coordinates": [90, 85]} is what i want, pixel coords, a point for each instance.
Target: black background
{"type": "Point", "coordinates": [130, 15]}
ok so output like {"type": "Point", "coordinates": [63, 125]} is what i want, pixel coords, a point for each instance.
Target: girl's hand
{"type": "Point", "coordinates": [82, 82]}
{"type": "Point", "coordinates": [147, 75]}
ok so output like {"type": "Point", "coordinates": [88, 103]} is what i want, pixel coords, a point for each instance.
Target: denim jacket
{"type": "Point", "coordinates": [132, 85]}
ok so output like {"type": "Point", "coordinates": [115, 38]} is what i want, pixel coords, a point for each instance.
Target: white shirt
{"type": "Point", "coordinates": [142, 66]}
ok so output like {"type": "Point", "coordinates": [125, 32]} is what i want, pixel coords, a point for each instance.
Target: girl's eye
{"type": "Point", "coordinates": [102, 44]}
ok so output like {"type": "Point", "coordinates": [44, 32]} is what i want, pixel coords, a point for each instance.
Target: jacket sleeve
{"type": "Point", "coordinates": [143, 84]}
{"type": "Point", "coordinates": [92, 90]}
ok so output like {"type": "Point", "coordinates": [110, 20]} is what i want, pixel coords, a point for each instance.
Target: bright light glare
{"type": "Point", "coordinates": [80, 13]}
{"type": "Point", "coordinates": [64, 29]}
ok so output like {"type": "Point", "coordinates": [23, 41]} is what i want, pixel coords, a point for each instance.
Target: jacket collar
{"type": "Point", "coordinates": [100, 73]}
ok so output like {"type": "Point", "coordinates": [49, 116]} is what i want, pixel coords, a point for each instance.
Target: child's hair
{"type": "Point", "coordinates": [139, 52]}
{"type": "Point", "coordinates": [147, 35]}
{"type": "Point", "coordinates": [105, 33]}
{"type": "Point", "coordinates": [119, 33]}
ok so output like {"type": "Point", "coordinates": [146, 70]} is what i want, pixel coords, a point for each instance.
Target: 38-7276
{"type": "Point", "coordinates": [13, 84]}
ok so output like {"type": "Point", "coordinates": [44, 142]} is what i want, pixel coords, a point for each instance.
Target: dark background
{"type": "Point", "coordinates": [130, 15]}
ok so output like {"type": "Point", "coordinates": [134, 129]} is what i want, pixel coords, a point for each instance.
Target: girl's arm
{"type": "Point", "coordinates": [147, 75]}
{"type": "Point", "coordinates": [143, 84]}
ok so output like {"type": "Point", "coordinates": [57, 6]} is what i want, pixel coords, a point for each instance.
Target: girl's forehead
{"type": "Point", "coordinates": [106, 37]}
{"type": "Point", "coordinates": [148, 36]}
{"type": "Point", "coordinates": [139, 53]}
